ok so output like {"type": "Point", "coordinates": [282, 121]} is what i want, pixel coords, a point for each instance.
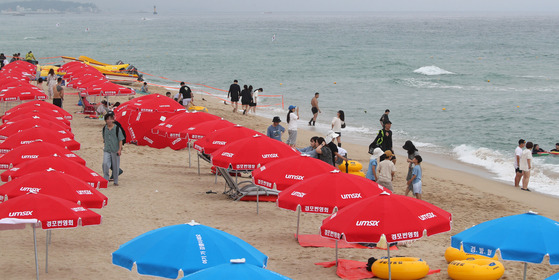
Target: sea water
{"type": "Point", "coordinates": [464, 86]}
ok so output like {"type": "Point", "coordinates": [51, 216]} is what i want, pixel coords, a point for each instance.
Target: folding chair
{"type": "Point", "coordinates": [88, 108]}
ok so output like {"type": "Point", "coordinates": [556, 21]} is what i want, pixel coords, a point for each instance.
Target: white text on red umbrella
{"type": "Point", "coordinates": [427, 216]}
{"type": "Point", "coordinates": [270, 156]}
{"type": "Point", "coordinates": [298, 194]}
{"type": "Point", "coordinates": [367, 223]}
{"type": "Point", "coordinates": [351, 195]}
{"type": "Point", "coordinates": [20, 214]}
{"type": "Point", "coordinates": [294, 177]}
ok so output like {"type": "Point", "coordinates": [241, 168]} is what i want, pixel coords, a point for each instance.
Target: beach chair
{"type": "Point", "coordinates": [88, 108]}
{"type": "Point", "coordinates": [237, 190]}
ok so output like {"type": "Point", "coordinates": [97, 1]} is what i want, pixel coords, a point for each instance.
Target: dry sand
{"type": "Point", "coordinates": [159, 189]}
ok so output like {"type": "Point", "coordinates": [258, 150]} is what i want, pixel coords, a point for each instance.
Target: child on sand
{"type": "Point", "coordinates": [416, 176]}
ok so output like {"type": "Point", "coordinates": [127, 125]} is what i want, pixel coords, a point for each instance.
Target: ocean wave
{"type": "Point", "coordinates": [417, 83]}
{"type": "Point", "coordinates": [543, 179]}
{"type": "Point", "coordinates": [432, 71]}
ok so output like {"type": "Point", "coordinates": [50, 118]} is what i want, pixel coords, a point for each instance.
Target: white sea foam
{"type": "Point", "coordinates": [432, 71]}
{"type": "Point", "coordinates": [543, 179]}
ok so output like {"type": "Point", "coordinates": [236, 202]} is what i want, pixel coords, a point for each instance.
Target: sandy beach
{"type": "Point", "coordinates": [158, 189]}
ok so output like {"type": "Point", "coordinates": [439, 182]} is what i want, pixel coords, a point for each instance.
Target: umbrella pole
{"type": "Point", "coordinates": [35, 245]}
{"type": "Point", "coordinates": [47, 252]}
{"type": "Point", "coordinates": [525, 269]}
{"type": "Point", "coordinates": [199, 166]}
{"type": "Point", "coordinates": [336, 252]}
{"type": "Point", "coordinates": [298, 216]}
{"type": "Point", "coordinates": [188, 143]}
{"type": "Point", "coordinates": [389, 271]}
{"type": "Point", "coordinates": [257, 198]}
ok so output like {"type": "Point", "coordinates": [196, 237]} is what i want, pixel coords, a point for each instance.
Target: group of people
{"type": "Point", "coordinates": [29, 57]}
{"type": "Point", "coordinates": [524, 162]}
{"type": "Point", "coordinates": [248, 97]}
{"type": "Point", "coordinates": [55, 91]}
{"type": "Point", "coordinates": [324, 149]}
{"type": "Point", "coordinates": [184, 96]}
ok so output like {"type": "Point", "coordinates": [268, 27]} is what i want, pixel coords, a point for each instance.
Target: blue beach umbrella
{"type": "Point", "coordinates": [236, 270]}
{"type": "Point", "coordinates": [525, 238]}
{"type": "Point", "coordinates": [188, 247]}
{"type": "Point", "coordinates": [553, 277]}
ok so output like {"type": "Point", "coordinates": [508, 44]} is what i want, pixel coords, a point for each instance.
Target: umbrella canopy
{"type": "Point", "coordinates": [55, 183]}
{"type": "Point", "coordinates": [202, 129]}
{"type": "Point", "coordinates": [530, 242]}
{"type": "Point", "coordinates": [52, 212]}
{"type": "Point", "coordinates": [108, 89]}
{"type": "Point", "coordinates": [177, 126]}
{"type": "Point", "coordinates": [388, 217]}
{"type": "Point", "coordinates": [22, 93]}
{"type": "Point", "coordinates": [33, 151]}
{"type": "Point", "coordinates": [235, 270]}
{"type": "Point", "coordinates": [222, 137]}
{"type": "Point", "coordinates": [57, 163]}
{"type": "Point", "coordinates": [282, 173]}
{"type": "Point", "coordinates": [38, 134]}
{"type": "Point", "coordinates": [32, 115]}
{"type": "Point", "coordinates": [39, 106]}
{"type": "Point", "coordinates": [152, 103]}
{"type": "Point", "coordinates": [188, 247]}
{"type": "Point", "coordinates": [12, 130]}
{"type": "Point", "coordinates": [22, 65]}
{"type": "Point", "coordinates": [325, 193]}
{"type": "Point", "coordinates": [9, 128]}
{"type": "Point", "coordinates": [42, 111]}
{"type": "Point", "coordinates": [248, 153]}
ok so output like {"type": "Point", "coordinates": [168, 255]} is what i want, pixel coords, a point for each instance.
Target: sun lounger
{"type": "Point", "coordinates": [237, 190]}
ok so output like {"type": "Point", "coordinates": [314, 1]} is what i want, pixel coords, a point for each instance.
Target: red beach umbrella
{"type": "Point", "coordinates": [176, 126]}
{"type": "Point", "coordinates": [32, 115]}
{"type": "Point", "coordinates": [108, 89]}
{"type": "Point", "coordinates": [38, 134]}
{"type": "Point", "coordinates": [57, 163]}
{"type": "Point", "coordinates": [202, 129]}
{"type": "Point", "coordinates": [23, 93]}
{"type": "Point", "coordinates": [386, 218]}
{"type": "Point", "coordinates": [23, 125]}
{"type": "Point", "coordinates": [21, 65]}
{"type": "Point", "coordinates": [34, 151]}
{"type": "Point", "coordinates": [57, 184]}
{"type": "Point", "coordinates": [138, 124]}
{"type": "Point", "coordinates": [222, 137]}
{"type": "Point", "coordinates": [248, 153]}
{"type": "Point", "coordinates": [39, 106]}
{"type": "Point", "coordinates": [282, 173]}
{"type": "Point", "coordinates": [36, 110]}
{"type": "Point", "coordinates": [30, 122]}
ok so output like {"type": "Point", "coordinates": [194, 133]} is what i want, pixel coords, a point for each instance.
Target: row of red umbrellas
{"type": "Point", "coordinates": [90, 81]}
{"type": "Point", "coordinates": [14, 82]}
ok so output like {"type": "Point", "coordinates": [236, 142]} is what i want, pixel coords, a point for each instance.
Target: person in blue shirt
{"type": "Point", "coordinates": [275, 131]}
{"type": "Point", "coordinates": [416, 176]}
{"type": "Point", "coordinates": [373, 162]}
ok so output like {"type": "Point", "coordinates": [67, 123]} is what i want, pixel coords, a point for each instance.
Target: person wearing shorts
{"type": "Point", "coordinates": [314, 109]}
{"type": "Point", "coordinates": [234, 92]}
{"type": "Point", "coordinates": [416, 177]}
{"type": "Point", "coordinates": [187, 96]}
{"type": "Point", "coordinates": [517, 155]}
{"type": "Point", "coordinates": [292, 117]}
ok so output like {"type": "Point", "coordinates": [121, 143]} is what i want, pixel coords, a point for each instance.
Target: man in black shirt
{"type": "Point", "coordinates": [384, 139]}
{"type": "Point", "coordinates": [384, 118]}
{"type": "Point", "coordinates": [186, 95]}
{"type": "Point", "coordinates": [331, 135]}
{"type": "Point", "coordinates": [234, 92]}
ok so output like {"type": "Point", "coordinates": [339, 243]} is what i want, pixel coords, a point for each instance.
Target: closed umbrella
{"type": "Point", "coordinates": [188, 247]}
{"type": "Point", "coordinates": [524, 238]}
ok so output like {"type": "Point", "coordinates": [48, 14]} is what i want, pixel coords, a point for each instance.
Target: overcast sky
{"type": "Point", "coordinates": [516, 6]}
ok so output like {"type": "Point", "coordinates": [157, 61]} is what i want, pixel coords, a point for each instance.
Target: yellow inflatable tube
{"type": "Point", "coordinates": [358, 173]}
{"type": "Point", "coordinates": [354, 166]}
{"type": "Point", "coordinates": [453, 254]}
{"type": "Point", "coordinates": [198, 109]}
{"type": "Point", "coordinates": [402, 268]}
{"type": "Point", "coordinates": [480, 269]}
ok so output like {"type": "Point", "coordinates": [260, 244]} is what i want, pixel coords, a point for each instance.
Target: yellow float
{"type": "Point", "coordinates": [354, 166]}
{"type": "Point", "coordinates": [479, 269]}
{"type": "Point", "coordinates": [453, 254]}
{"type": "Point", "coordinates": [402, 268]}
{"type": "Point", "coordinates": [197, 109]}
{"type": "Point", "coordinates": [358, 173]}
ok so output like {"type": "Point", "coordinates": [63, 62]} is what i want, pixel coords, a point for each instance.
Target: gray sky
{"type": "Point", "coordinates": [515, 6]}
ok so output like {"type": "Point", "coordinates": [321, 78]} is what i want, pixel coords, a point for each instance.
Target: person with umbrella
{"type": "Point", "coordinates": [112, 139]}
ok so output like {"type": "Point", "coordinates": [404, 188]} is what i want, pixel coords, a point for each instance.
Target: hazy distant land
{"type": "Point", "coordinates": [46, 7]}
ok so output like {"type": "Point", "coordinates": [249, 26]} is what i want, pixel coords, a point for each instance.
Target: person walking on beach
{"type": "Point", "coordinates": [234, 92]}
{"type": "Point", "coordinates": [58, 96]}
{"type": "Point", "coordinates": [412, 152]}
{"type": "Point", "coordinates": [292, 117]}
{"type": "Point", "coordinates": [314, 109]}
{"type": "Point", "coordinates": [384, 140]}
{"type": "Point", "coordinates": [275, 131]}
{"type": "Point", "coordinates": [186, 96]}
{"type": "Point", "coordinates": [112, 140]}
{"type": "Point", "coordinates": [51, 82]}
{"type": "Point", "coordinates": [517, 155]}
{"type": "Point", "coordinates": [373, 162]}
{"type": "Point", "coordinates": [526, 165]}
{"type": "Point", "coordinates": [416, 177]}
{"type": "Point", "coordinates": [246, 96]}
{"type": "Point", "coordinates": [254, 100]}
{"type": "Point", "coordinates": [384, 118]}
{"type": "Point", "coordinates": [337, 124]}
{"type": "Point", "coordinates": [386, 170]}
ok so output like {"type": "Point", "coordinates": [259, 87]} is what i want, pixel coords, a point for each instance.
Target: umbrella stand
{"type": "Point", "coordinates": [35, 245]}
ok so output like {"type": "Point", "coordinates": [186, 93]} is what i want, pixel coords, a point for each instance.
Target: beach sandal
{"type": "Point", "coordinates": [528, 190]}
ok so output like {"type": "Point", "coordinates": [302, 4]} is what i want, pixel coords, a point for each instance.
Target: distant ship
{"type": "Point", "coordinates": [154, 10]}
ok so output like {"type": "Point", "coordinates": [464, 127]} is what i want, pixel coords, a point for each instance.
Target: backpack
{"type": "Point", "coordinates": [377, 142]}
{"type": "Point", "coordinates": [119, 127]}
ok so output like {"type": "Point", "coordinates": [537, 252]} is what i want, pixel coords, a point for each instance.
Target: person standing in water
{"type": "Point", "coordinates": [384, 118]}
{"type": "Point", "coordinates": [314, 109]}
{"type": "Point", "coordinates": [234, 92]}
